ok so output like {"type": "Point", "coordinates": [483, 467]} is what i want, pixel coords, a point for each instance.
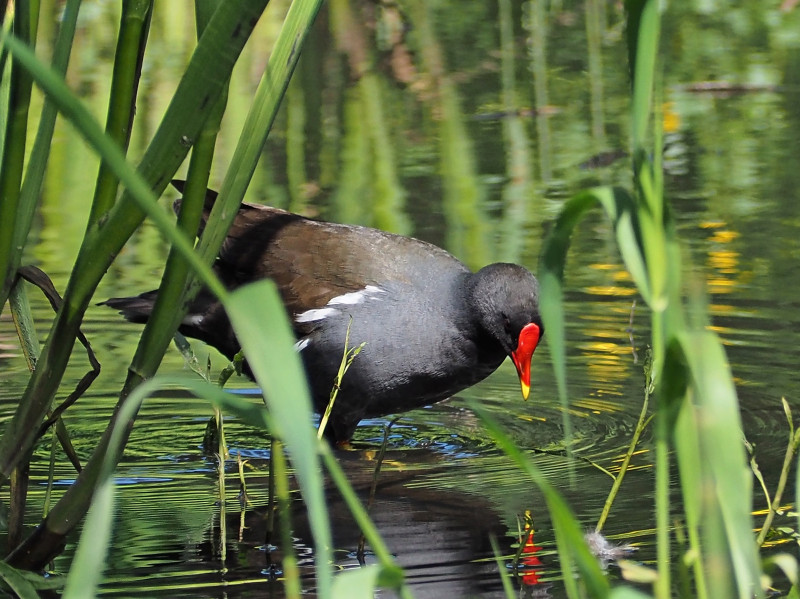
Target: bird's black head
{"type": "Point", "coordinates": [506, 298]}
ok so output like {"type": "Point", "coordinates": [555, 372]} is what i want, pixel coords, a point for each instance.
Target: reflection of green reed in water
{"type": "Point", "coordinates": [354, 182]}
{"type": "Point", "coordinates": [519, 191]}
{"type": "Point", "coordinates": [389, 196]}
{"type": "Point", "coordinates": [536, 26]}
{"type": "Point", "coordinates": [295, 145]}
{"type": "Point", "coordinates": [369, 165]}
{"type": "Point", "coordinates": [463, 194]}
{"type": "Point", "coordinates": [594, 39]}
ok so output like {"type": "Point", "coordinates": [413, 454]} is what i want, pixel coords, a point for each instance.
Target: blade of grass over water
{"type": "Point", "coordinates": [25, 422]}
{"type": "Point", "coordinates": [214, 57]}
{"type": "Point", "coordinates": [17, 582]}
{"type": "Point", "coordinates": [505, 577]}
{"type": "Point", "coordinates": [641, 424]}
{"type": "Point", "coordinates": [627, 593]}
{"type": "Point", "coordinates": [620, 207]}
{"type": "Point", "coordinates": [165, 318]}
{"type": "Point", "coordinates": [291, 571]}
{"type": "Point", "coordinates": [774, 503]}
{"type": "Point", "coordinates": [358, 583]}
{"type": "Point", "coordinates": [644, 24]}
{"type": "Point", "coordinates": [721, 467]}
{"type": "Point", "coordinates": [263, 329]}
{"type": "Point", "coordinates": [230, 29]}
{"type": "Point", "coordinates": [697, 414]}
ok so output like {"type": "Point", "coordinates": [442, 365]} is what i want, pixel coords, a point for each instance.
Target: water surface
{"type": "Point", "coordinates": [732, 180]}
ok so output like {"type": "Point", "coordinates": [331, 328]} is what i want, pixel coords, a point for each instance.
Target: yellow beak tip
{"type": "Point", "coordinates": [526, 390]}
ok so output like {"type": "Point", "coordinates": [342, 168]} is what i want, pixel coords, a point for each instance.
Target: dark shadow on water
{"type": "Point", "coordinates": [440, 539]}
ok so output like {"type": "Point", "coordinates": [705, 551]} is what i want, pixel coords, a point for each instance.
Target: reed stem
{"type": "Point", "coordinates": [291, 571]}
{"type": "Point", "coordinates": [788, 460]}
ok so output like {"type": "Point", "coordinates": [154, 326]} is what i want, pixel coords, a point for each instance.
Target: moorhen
{"type": "Point", "coordinates": [430, 326]}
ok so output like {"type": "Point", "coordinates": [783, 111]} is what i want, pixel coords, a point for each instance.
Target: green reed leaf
{"type": "Point", "coordinates": [17, 582]}
{"type": "Point", "coordinates": [621, 208]}
{"type": "Point", "coordinates": [725, 481]}
{"type": "Point", "coordinates": [262, 327]}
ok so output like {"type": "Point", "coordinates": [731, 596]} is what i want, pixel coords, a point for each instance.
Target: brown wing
{"type": "Point", "coordinates": [313, 261]}
{"type": "Point", "coordinates": [298, 254]}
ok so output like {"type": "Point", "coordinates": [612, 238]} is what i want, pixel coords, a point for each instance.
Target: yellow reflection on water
{"type": "Point", "coordinates": [605, 347]}
{"type": "Point", "coordinates": [611, 290]}
{"type": "Point", "coordinates": [722, 262]}
{"type": "Point", "coordinates": [531, 418]}
{"type": "Point", "coordinates": [671, 118]}
{"type": "Point", "coordinates": [598, 405]}
{"type": "Point", "coordinates": [711, 224]}
{"type": "Point", "coordinates": [724, 236]}
{"type": "Point", "coordinates": [617, 275]}
{"type": "Point", "coordinates": [607, 339]}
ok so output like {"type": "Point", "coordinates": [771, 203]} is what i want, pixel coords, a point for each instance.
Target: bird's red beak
{"type": "Point", "coordinates": [528, 340]}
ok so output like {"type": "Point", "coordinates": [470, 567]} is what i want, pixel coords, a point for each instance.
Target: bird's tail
{"type": "Point", "coordinates": [134, 309]}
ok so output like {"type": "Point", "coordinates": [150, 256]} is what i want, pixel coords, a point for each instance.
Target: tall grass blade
{"type": "Point", "coordinates": [360, 583]}
{"type": "Point", "coordinates": [259, 121]}
{"type": "Point", "coordinates": [262, 327]}
{"type": "Point", "coordinates": [131, 42]}
{"type": "Point", "coordinates": [14, 144]}
{"type": "Point", "coordinates": [173, 290]}
{"type": "Point", "coordinates": [620, 207]}
{"type": "Point", "coordinates": [627, 593]}
{"type": "Point", "coordinates": [505, 577]}
{"type": "Point", "coordinates": [85, 123]}
{"type": "Point", "coordinates": [724, 473]}
{"type": "Point", "coordinates": [643, 28]}
{"type": "Point", "coordinates": [89, 562]}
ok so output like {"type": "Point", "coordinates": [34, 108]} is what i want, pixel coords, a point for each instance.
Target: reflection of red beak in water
{"type": "Point", "coordinates": [530, 573]}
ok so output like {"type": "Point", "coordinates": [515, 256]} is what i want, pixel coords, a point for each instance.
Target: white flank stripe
{"type": "Point", "coordinates": [347, 299]}
{"type": "Point", "coordinates": [302, 344]}
{"type": "Point", "coordinates": [313, 315]}
{"type": "Point", "coordinates": [356, 297]}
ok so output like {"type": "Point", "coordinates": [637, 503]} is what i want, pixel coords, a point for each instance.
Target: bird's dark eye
{"type": "Point", "coordinates": [506, 324]}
